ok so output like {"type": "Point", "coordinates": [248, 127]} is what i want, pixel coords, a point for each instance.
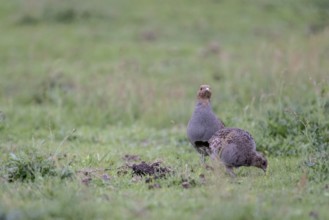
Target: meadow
{"type": "Point", "coordinates": [87, 89]}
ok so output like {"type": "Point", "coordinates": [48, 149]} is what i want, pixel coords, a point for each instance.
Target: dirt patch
{"type": "Point", "coordinates": [152, 169]}
{"type": "Point", "coordinates": [188, 183]}
{"type": "Point", "coordinates": [123, 170]}
{"type": "Point", "coordinates": [86, 175]}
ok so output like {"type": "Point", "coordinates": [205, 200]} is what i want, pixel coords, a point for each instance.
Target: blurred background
{"type": "Point", "coordinates": [73, 63]}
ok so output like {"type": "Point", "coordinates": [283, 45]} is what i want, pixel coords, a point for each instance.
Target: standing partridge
{"type": "Point", "coordinates": [236, 147]}
{"type": "Point", "coordinates": [203, 123]}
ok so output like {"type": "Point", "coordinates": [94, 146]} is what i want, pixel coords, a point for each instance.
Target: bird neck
{"type": "Point", "coordinates": [203, 102]}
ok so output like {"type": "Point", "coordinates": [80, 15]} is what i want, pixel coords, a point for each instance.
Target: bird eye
{"type": "Point", "coordinates": [201, 88]}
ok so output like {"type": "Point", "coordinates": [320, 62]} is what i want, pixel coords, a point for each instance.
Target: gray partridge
{"type": "Point", "coordinates": [203, 123]}
{"type": "Point", "coordinates": [236, 147]}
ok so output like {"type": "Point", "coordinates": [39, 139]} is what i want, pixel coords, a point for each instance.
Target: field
{"type": "Point", "coordinates": [87, 89]}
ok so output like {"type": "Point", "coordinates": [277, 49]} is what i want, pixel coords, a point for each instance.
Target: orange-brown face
{"type": "Point", "coordinates": [204, 92]}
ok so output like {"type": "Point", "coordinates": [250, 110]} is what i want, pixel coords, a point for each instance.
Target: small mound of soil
{"type": "Point", "coordinates": [153, 169]}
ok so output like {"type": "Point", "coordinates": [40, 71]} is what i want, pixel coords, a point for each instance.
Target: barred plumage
{"type": "Point", "coordinates": [236, 147]}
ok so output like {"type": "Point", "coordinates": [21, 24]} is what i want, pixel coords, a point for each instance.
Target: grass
{"type": "Point", "coordinates": [84, 84]}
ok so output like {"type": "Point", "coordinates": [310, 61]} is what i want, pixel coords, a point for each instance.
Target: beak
{"type": "Point", "coordinates": [208, 89]}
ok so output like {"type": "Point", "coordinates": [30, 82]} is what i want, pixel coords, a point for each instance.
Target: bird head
{"type": "Point", "coordinates": [260, 161]}
{"type": "Point", "coordinates": [204, 92]}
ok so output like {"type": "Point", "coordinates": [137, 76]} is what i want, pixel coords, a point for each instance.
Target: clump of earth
{"type": "Point", "coordinates": [150, 169]}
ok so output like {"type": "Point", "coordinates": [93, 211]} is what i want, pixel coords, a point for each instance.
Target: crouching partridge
{"type": "Point", "coordinates": [236, 147]}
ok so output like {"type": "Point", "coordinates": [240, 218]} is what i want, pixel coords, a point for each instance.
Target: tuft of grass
{"type": "Point", "coordinates": [50, 11]}
{"type": "Point", "coordinates": [317, 166]}
{"type": "Point", "coordinates": [284, 129]}
{"type": "Point", "coordinates": [30, 166]}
